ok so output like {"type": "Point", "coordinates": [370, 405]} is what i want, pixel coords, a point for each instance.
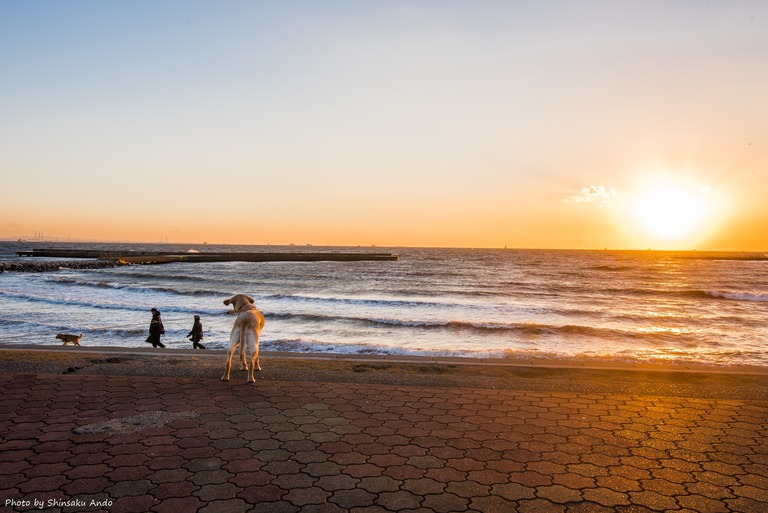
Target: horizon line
{"type": "Point", "coordinates": [515, 248]}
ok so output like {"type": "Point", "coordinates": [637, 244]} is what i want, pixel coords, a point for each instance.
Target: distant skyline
{"type": "Point", "coordinates": [551, 124]}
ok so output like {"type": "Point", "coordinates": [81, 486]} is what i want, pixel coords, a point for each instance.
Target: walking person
{"type": "Point", "coordinates": [155, 329]}
{"type": "Point", "coordinates": [196, 335]}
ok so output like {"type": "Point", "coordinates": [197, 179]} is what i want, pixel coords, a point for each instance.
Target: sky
{"type": "Point", "coordinates": [547, 124]}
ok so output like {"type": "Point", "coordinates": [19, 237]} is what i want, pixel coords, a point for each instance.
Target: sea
{"type": "Point", "coordinates": [624, 306]}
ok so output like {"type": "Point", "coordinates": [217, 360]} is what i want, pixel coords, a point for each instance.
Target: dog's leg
{"type": "Point", "coordinates": [253, 345]}
{"type": "Point", "coordinates": [234, 341]}
{"type": "Point", "coordinates": [251, 377]}
{"type": "Point", "coordinates": [256, 351]}
{"type": "Point", "coordinates": [228, 368]}
{"type": "Point", "coordinates": [244, 336]}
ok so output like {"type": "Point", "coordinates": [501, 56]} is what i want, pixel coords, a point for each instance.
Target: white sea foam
{"type": "Point", "coordinates": [758, 297]}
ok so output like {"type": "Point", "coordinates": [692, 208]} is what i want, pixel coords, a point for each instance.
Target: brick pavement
{"type": "Point", "coordinates": [138, 443]}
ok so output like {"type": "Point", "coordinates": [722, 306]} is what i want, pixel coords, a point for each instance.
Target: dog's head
{"type": "Point", "coordinates": [239, 301]}
{"type": "Point", "coordinates": [61, 336]}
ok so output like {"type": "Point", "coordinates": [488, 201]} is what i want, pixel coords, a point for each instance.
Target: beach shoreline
{"type": "Point", "coordinates": [552, 376]}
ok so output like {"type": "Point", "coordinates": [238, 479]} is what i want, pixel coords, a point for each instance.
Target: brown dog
{"type": "Point", "coordinates": [246, 333]}
{"type": "Point", "coordinates": [75, 339]}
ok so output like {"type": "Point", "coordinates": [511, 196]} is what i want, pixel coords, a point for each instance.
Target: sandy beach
{"type": "Point", "coordinates": [90, 429]}
{"type": "Point", "coordinates": [553, 375]}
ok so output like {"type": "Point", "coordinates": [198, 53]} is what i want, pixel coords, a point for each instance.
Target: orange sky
{"type": "Point", "coordinates": [477, 124]}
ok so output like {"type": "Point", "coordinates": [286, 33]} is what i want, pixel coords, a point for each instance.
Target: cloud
{"type": "Point", "coordinates": [598, 194]}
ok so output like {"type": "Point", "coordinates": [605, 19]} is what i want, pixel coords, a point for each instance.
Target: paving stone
{"type": "Point", "coordinates": [492, 504]}
{"type": "Point", "coordinates": [751, 492]}
{"type": "Point", "coordinates": [326, 468]}
{"type": "Point", "coordinates": [379, 484]}
{"type": "Point", "coordinates": [212, 492]}
{"type": "Point", "coordinates": [272, 507]}
{"type": "Point", "coordinates": [138, 504]}
{"type": "Point", "coordinates": [398, 501]}
{"type": "Point", "coordinates": [468, 489]}
{"type": "Point", "coordinates": [350, 499]}
{"type": "Point", "coordinates": [205, 477]}
{"type": "Point", "coordinates": [176, 489]}
{"type": "Point", "coordinates": [591, 507]}
{"type": "Point", "coordinates": [653, 501]}
{"type": "Point", "coordinates": [168, 476]}
{"type": "Point", "coordinates": [262, 494]}
{"type": "Point", "coordinates": [197, 465]}
{"type": "Point", "coordinates": [283, 467]}
{"type": "Point", "coordinates": [445, 503]}
{"type": "Point", "coordinates": [328, 507]}
{"type": "Point", "coordinates": [87, 485]}
{"type": "Point", "coordinates": [540, 506]}
{"type": "Point", "coordinates": [606, 497]}
{"type": "Point", "coordinates": [702, 504]}
{"type": "Point", "coordinates": [333, 483]}
{"type": "Point", "coordinates": [50, 469]}
{"type": "Point", "coordinates": [744, 505]}
{"type": "Point", "coordinates": [488, 477]}
{"type": "Point", "coordinates": [42, 485]}
{"type": "Point", "coordinates": [403, 472]}
{"type": "Point", "coordinates": [513, 491]}
{"type": "Point", "coordinates": [375, 448]}
{"type": "Point", "coordinates": [363, 470]}
{"type": "Point", "coordinates": [445, 475]}
{"type": "Point", "coordinates": [291, 481]}
{"type": "Point", "coordinates": [304, 496]}
{"type": "Point", "coordinates": [423, 486]}
{"type": "Point", "coordinates": [178, 504]}
{"type": "Point", "coordinates": [129, 488]}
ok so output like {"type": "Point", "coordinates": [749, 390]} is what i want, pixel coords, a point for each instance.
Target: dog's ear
{"type": "Point", "coordinates": [250, 299]}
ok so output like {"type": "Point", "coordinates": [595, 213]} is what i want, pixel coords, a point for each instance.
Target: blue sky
{"type": "Point", "coordinates": [389, 123]}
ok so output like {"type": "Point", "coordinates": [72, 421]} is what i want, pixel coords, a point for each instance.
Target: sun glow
{"type": "Point", "coordinates": [671, 211]}
{"type": "Point", "coordinates": [665, 212]}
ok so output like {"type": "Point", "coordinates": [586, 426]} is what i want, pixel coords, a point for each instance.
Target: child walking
{"type": "Point", "coordinates": [196, 335]}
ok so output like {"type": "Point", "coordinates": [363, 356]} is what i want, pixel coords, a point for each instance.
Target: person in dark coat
{"type": "Point", "coordinates": [155, 329]}
{"type": "Point", "coordinates": [196, 335]}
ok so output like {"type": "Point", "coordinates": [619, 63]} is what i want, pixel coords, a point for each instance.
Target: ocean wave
{"type": "Point", "coordinates": [103, 305]}
{"type": "Point", "coordinates": [690, 293]}
{"type": "Point", "coordinates": [421, 324]}
{"type": "Point", "coordinates": [129, 273]}
{"type": "Point", "coordinates": [357, 301]}
{"type": "Point", "coordinates": [612, 268]}
{"type": "Point", "coordinates": [756, 297]}
{"type": "Point", "coordinates": [524, 329]}
{"type": "Point", "coordinates": [39, 326]}
{"type": "Point", "coordinates": [303, 345]}
{"type": "Point", "coordinates": [134, 288]}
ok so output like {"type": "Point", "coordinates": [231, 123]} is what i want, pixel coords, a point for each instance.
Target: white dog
{"type": "Point", "coordinates": [245, 333]}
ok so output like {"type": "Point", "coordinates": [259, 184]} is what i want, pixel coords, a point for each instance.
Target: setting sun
{"type": "Point", "coordinates": [672, 211]}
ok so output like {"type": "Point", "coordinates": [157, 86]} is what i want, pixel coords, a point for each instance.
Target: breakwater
{"type": "Point", "coordinates": [42, 267]}
{"type": "Point", "coordinates": [96, 258]}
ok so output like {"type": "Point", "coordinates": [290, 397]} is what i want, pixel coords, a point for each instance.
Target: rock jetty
{"type": "Point", "coordinates": [42, 267]}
